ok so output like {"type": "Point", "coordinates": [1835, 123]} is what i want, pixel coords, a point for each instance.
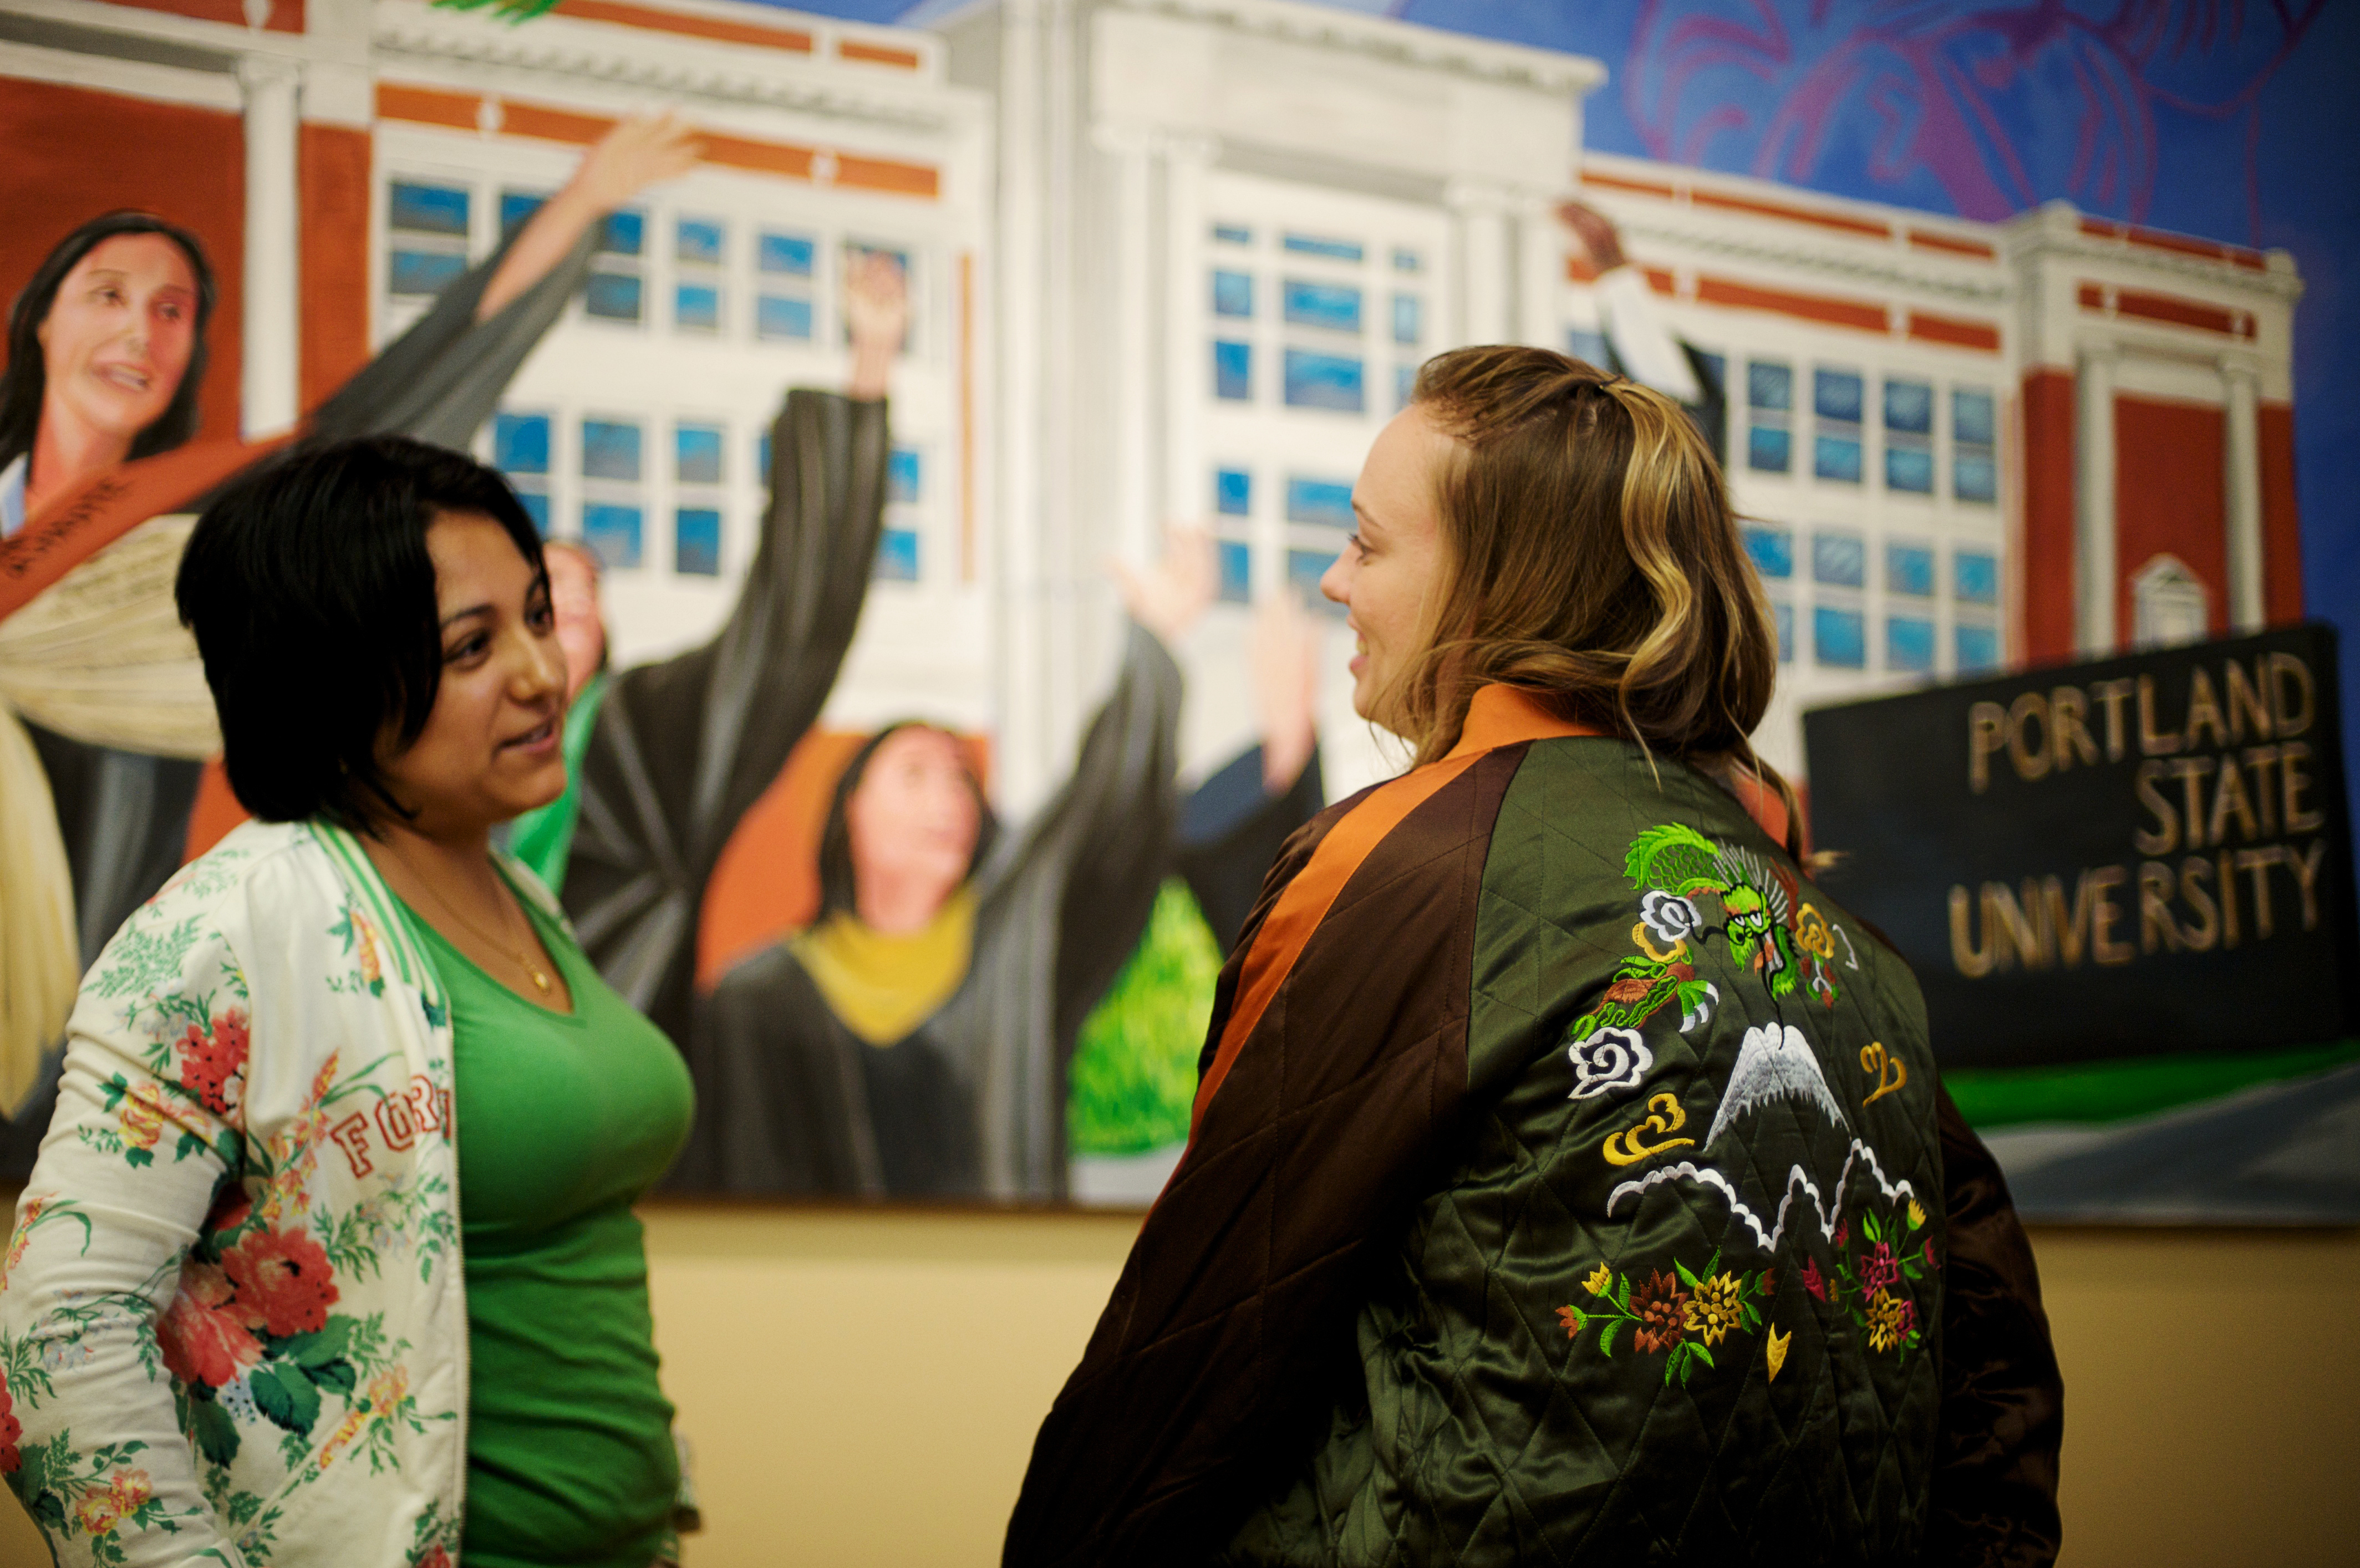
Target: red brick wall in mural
{"type": "Point", "coordinates": [73, 154]}
{"type": "Point", "coordinates": [2169, 498]}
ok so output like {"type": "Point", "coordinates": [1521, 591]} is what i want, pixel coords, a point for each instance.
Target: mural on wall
{"type": "Point", "coordinates": [1992, 311]}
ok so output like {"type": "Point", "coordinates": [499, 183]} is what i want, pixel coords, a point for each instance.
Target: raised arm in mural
{"type": "Point", "coordinates": [1640, 344]}
{"type": "Point", "coordinates": [104, 712]}
{"type": "Point", "coordinates": [678, 751]}
{"type": "Point", "coordinates": [914, 1040]}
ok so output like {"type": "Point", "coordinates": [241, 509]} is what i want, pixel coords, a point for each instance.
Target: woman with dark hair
{"type": "Point", "coordinates": [1570, 1179]}
{"type": "Point", "coordinates": [103, 716]}
{"type": "Point", "coordinates": [269, 1327]}
{"type": "Point", "coordinates": [914, 1040]}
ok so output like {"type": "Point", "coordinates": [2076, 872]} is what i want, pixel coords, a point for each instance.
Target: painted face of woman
{"type": "Point", "coordinates": [119, 334]}
{"type": "Point", "coordinates": [1391, 566]}
{"type": "Point", "coordinates": [912, 823]}
{"type": "Point", "coordinates": [490, 747]}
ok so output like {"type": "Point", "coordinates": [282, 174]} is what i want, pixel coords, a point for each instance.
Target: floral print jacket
{"type": "Point", "coordinates": [232, 1328]}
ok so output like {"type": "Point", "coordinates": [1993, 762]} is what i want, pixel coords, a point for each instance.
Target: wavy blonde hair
{"type": "Point", "coordinates": [1590, 558]}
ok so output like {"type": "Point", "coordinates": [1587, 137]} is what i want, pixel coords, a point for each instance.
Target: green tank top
{"type": "Point", "coordinates": [563, 1120]}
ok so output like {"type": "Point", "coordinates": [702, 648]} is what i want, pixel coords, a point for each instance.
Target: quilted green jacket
{"type": "Point", "coordinates": [1568, 1185]}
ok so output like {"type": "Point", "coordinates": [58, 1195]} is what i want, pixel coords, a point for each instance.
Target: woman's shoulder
{"type": "Point", "coordinates": [260, 876]}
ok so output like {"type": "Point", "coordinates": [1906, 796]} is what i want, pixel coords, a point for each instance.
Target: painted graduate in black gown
{"type": "Point", "coordinates": [914, 1040]}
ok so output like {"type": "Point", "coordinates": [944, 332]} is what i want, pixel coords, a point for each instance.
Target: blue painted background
{"type": "Point", "coordinates": [2236, 120]}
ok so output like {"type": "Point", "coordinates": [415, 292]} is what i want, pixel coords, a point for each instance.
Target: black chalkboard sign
{"type": "Point", "coordinates": [2136, 856]}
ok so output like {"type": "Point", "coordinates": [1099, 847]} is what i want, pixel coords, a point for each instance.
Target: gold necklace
{"type": "Point", "coordinates": [540, 978]}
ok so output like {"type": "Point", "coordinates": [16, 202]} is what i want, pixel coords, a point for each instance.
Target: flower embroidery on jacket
{"type": "Point", "coordinates": [203, 1334]}
{"type": "Point", "coordinates": [284, 1279]}
{"type": "Point", "coordinates": [1681, 1314]}
{"type": "Point", "coordinates": [1870, 1281]}
{"type": "Point", "coordinates": [213, 1063]}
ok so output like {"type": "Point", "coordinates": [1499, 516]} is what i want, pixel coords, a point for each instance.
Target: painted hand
{"type": "Point", "coordinates": [1168, 597]}
{"type": "Point", "coordinates": [1594, 233]}
{"type": "Point", "coordinates": [877, 315]}
{"type": "Point", "coordinates": [639, 152]}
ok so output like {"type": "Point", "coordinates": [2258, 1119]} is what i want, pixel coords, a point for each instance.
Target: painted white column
{"type": "Point", "coordinates": [2096, 572]}
{"type": "Point", "coordinates": [1187, 344]}
{"type": "Point", "coordinates": [269, 389]}
{"type": "Point", "coordinates": [2242, 496]}
{"type": "Point", "coordinates": [1022, 748]}
{"type": "Point", "coordinates": [1540, 275]}
{"type": "Point", "coordinates": [1134, 360]}
{"type": "Point", "coordinates": [1483, 261]}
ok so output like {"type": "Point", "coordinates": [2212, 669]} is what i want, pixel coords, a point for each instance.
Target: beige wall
{"type": "Point", "coordinates": [863, 1389]}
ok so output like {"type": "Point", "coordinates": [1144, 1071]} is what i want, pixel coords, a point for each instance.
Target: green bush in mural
{"type": "Point", "coordinates": [1134, 1072]}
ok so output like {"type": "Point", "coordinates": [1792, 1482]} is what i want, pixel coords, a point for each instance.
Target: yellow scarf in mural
{"type": "Point", "coordinates": [884, 987]}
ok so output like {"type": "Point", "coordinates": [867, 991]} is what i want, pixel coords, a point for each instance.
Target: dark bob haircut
{"type": "Point", "coordinates": [26, 381]}
{"type": "Point", "coordinates": [310, 589]}
{"type": "Point", "coordinates": [838, 887]}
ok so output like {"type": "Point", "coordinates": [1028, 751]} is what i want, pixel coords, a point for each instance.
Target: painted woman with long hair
{"type": "Point", "coordinates": [1570, 1179]}
{"type": "Point", "coordinates": [104, 713]}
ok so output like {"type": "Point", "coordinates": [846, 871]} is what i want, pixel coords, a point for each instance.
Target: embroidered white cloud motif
{"type": "Point", "coordinates": [1774, 1064]}
{"type": "Point", "coordinates": [1608, 1059]}
{"type": "Point", "coordinates": [1798, 1179]}
{"type": "Point", "coordinates": [1669, 915]}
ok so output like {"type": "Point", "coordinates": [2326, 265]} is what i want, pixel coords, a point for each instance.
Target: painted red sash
{"type": "Point", "coordinates": [70, 529]}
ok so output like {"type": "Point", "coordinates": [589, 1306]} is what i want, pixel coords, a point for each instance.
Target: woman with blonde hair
{"type": "Point", "coordinates": [1569, 1180]}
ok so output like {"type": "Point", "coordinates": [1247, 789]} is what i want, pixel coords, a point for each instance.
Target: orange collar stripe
{"type": "Point", "coordinates": [1499, 716]}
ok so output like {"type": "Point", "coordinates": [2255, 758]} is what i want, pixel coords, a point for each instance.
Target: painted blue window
{"type": "Point", "coordinates": [1304, 567]}
{"type": "Point", "coordinates": [1232, 233]}
{"type": "Point", "coordinates": [1587, 347]}
{"type": "Point", "coordinates": [429, 209]}
{"type": "Point", "coordinates": [1910, 468]}
{"type": "Point", "coordinates": [696, 541]}
{"type": "Point", "coordinates": [536, 506]}
{"type": "Point", "coordinates": [1233, 294]}
{"type": "Point", "coordinates": [1233, 371]}
{"type": "Point", "coordinates": [1910, 643]}
{"type": "Point", "coordinates": [698, 241]}
{"type": "Point", "coordinates": [1409, 318]}
{"type": "Point", "coordinates": [624, 232]}
{"type": "Point", "coordinates": [1972, 421]}
{"type": "Point", "coordinates": [1769, 449]}
{"type": "Point", "coordinates": [762, 457]}
{"type": "Point", "coordinates": [520, 444]}
{"type": "Point", "coordinates": [904, 473]}
{"type": "Point", "coordinates": [612, 532]}
{"type": "Point", "coordinates": [1909, 408]}
{"type": "Point", "coordinates": [1837, 458]}
{"type": "Point", "coordinates": [1326, 502]}
{"type": "Point", "coordinates": [897, 555]}
{"type": "Point", "coordinates": [1773, 550]}
{"type": "Point", "coordinates": [1325, 381]}
{"type": "Point", "coordinates": [1783, 615]}
{"type": "Point", "coordinates": [788, 254]}
{"type": "Point", "coordinates": [777, 316]}
{"type": "Point", "coordinates": [696, 454]}
{"type": "Point", "coordinates": [1909, 569]}
{"type": "Point", "coordinates": [610, 449]}
{"type": "Point", "coordinates": [1334, 306]}
{"type": "Point", "coordinates": [1232, 492]}
{"type": "Point", "coordinates": [517, 207]}
{"type": "Point", "coordinates": [1769, 384]}
{"type": "Point", "coordinates": [696, 308]}
{"type": "Point", "coordinates": [1839, 637]}
{"type": "Point", "coordinates": [1975, 577]}
{"type": "Point", "coordinates": [1837, 395]}
{"type": "Point", "coordinates": [422, 271]}
{"type": "Point", "coordinates": [612, 296]}
{"type": "Point", "coordinates": [1405, 385]}
{"type": "Point", "coordinates": [1840, 559]}
{"type": "Point", "coordinates": [1974, 476]}
{"type": "Point", "coordinates": [1977, 647]}
{"type": "Point", "coordinates": [1313, 245]}
{"type": "Point", "coordinates": [1407, 260]}
{"type": "Point", "coordinates": [1236, 561]}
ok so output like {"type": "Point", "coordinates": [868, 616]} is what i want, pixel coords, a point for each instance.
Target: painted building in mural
{"type": "Point", "coordinates": [1176, 258]}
